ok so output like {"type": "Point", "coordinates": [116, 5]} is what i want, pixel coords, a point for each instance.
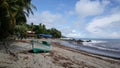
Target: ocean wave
{"type": "Point", "coordinates": [100, 45]}
{"type": "Point", "coordinates": [96, 48]}
{"type": "Point", "coordinates": [95, 41]}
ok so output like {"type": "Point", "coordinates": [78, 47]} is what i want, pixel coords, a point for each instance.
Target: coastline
{"type": "Point", "coordinates": [102, 57]}
{"type": "Point", "coordinates": [59, 57]}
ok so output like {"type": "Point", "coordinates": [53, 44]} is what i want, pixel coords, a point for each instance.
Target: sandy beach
{"type": "Point", "coordinates": [60, 57]}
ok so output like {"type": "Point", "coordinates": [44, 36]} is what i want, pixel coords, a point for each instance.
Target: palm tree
{"type": "Point", "coordinates": [13, 12]}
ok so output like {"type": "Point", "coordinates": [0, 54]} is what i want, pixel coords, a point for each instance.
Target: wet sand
{"type": "Point", "coordinates": [59, 57]}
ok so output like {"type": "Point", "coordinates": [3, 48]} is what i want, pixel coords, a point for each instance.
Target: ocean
{"type": "Point", "coordinates": [105, 47]}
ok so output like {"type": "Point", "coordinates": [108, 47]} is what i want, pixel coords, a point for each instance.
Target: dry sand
{"type": "Point", "coordinates": [59, 57]}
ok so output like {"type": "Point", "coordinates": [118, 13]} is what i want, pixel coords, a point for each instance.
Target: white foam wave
{"type": "Point", "coordinates": [95, 45]}
{"type": "Point", "coordinates": [96, 41]}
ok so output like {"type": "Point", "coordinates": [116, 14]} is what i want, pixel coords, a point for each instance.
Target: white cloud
{"type": "Point", "coordinates": [73, 31]}
{"type": "Point", "coordinates": [107, 26]}
{"type": "Point", "coordinates": [74, 35]}
{"type": "Point", "coordinates": [51, 20]}
{"type": "Point", "coordinates": [115, 35]}
{"type": "Point", "coordinates": [86, 8]}
{"type": "Point", "coordinates": [73, 23]}
{"type": "Point", "coordinates": [48, 17]}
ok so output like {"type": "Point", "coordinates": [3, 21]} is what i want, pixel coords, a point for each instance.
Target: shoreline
{"type": "Point", "coordinates": [85, 46]}
{"type": "Point", "coordinates": [59, 57]}
{"type": "Point", "coordinates": [89, 54]}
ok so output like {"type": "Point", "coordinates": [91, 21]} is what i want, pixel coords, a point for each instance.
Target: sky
{"type": "Point", "coordinates": [79, 18]}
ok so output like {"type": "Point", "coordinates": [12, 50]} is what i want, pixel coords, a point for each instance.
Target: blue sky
{"type": "Point", "coordinates": [79, 18]}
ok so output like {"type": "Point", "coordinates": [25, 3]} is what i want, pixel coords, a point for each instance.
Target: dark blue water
{"type": "Point", "coordinates": [106, 47]}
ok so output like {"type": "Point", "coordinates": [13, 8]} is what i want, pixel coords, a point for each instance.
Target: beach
{"type": "Point", "coordinates": [59, 57]}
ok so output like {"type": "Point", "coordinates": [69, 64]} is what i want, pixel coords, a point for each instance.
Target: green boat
{"type": "Point", "coordinates": [39, 47]}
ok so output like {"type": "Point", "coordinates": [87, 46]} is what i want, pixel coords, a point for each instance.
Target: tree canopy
{"type": "Point", "coordinates": [13, 12]}
{"type": "Point", "coordinates": [41, 29]}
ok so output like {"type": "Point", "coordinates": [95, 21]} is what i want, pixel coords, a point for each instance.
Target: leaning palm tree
{"type": "Point", "coordinates": [13, 12]}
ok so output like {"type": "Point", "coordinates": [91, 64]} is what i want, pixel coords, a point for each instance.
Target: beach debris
{"type": "Point", "coordinates": [26, 58]}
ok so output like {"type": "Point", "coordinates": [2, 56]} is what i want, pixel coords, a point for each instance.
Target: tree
{"type": "Point", "coordinates": [13, 12]}
{"type": "Point", "coordinates": [21, 31]}
{"type": "Point", "coordinates": [55, 33]}
{"type": "Point", "coordinates": [41, 29]}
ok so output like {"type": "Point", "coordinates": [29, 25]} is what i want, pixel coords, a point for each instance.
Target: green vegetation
{"type": "Point", "coordinates": [13, 15]}
{"type": "Point", "coordinates": [38, 29]}
{"type": "Point", "coordinates": [13, 12]}
{"type": "Point", "coordinates": [41, 29]}
{"type": "Point", "coordinates": [21, 30]}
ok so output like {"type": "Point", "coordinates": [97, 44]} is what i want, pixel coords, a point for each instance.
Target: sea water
{"type": "Point", "coordinates": [106, 47]}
